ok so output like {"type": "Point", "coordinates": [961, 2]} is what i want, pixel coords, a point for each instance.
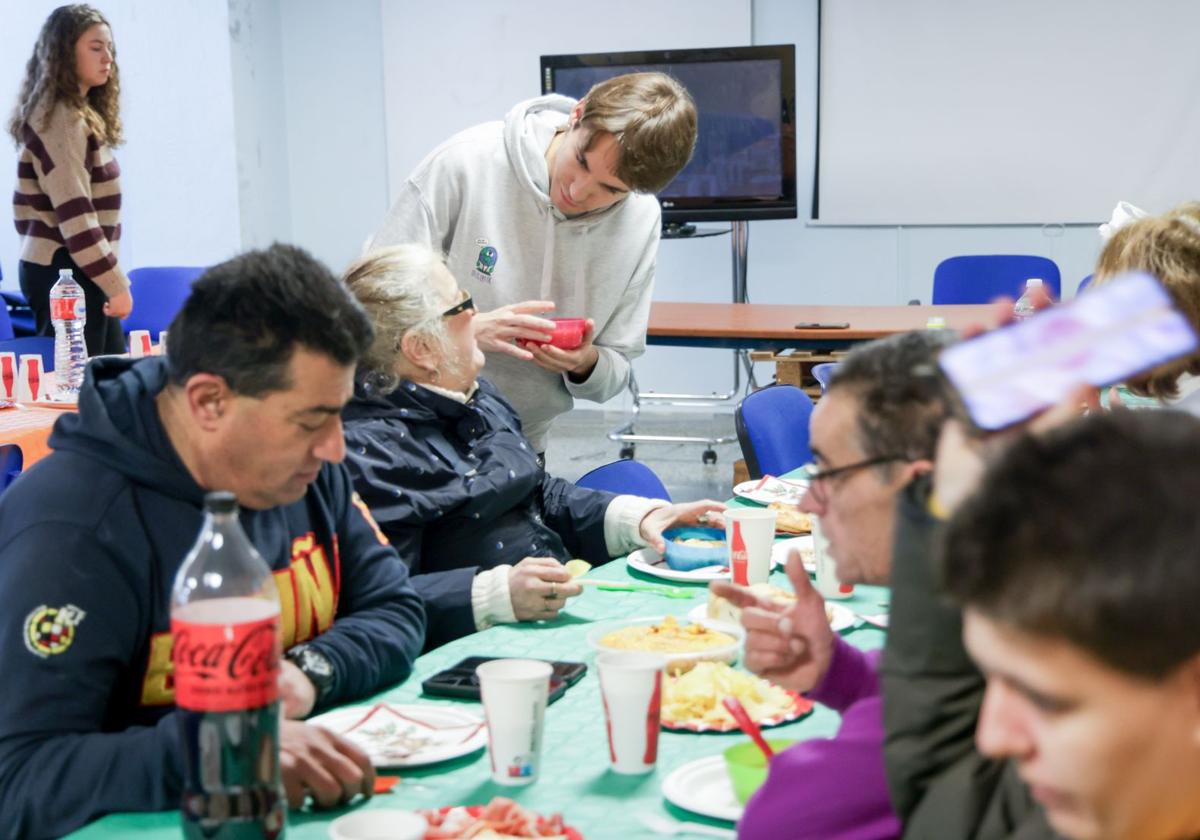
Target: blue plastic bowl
{"type": "Point", "coordinates": [684, 558]}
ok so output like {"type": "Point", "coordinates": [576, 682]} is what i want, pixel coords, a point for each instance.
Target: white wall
{"type": "Point", "coordinates": [264, 174]}
{"type": "Point", "coordinates": [179, 164]}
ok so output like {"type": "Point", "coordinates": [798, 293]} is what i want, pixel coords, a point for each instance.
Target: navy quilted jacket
{"type": "Point", "coordinates": [457, 489]}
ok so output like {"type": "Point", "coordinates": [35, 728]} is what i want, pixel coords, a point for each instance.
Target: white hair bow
{"type": "Point", "coordinates": [1122, 214]}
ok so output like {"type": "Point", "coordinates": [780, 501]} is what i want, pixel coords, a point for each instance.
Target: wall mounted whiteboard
{"type": "Point", "coordinates": [1023, 111]}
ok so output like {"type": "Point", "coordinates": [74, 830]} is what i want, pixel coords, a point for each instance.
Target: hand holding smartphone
{"type": "Point", "coordinates": [1105, 336]}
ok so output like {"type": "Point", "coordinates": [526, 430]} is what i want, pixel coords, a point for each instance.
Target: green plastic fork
{"type": "Point", "coordinates": [636, 586]}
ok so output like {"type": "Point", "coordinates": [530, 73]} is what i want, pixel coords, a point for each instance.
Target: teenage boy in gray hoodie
{"type": "Point", "coordinates": [552, 210]}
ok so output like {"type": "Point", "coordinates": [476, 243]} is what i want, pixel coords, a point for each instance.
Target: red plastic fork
{"type": "Point", "coordinates": [748, 726]}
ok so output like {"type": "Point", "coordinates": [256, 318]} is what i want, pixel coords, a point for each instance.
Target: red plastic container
{"type": "Point", "coordinates": [568, 332]}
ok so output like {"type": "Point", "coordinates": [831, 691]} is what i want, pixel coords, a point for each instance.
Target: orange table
{"type": "Point", "coordinates": [29, 428]}
{"type": "Point", "coordinates": [765, 326]}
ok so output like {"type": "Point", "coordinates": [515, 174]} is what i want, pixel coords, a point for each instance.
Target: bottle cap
{"type": "Point", "coordinates": [937, 322]}
{"type": "Point", "coordinates": [220, 501]}
{"type": "Point", "coordinates": [1033, 282]}
{"type": "Point", "coordinates": [66, 272]}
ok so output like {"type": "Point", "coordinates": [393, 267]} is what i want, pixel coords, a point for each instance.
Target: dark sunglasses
{"type": "Point", "coordinates": [467, 303]}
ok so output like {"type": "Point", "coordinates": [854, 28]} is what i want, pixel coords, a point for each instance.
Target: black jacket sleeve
{"type": "Point", "coordinates": [379, 628]}
{"type": "Point", "coordinates": [932, 692]}
{"type": "Point", "coordinates": [577, 515]}
{"type": "Point", "coordinates": [59, 769]}
{"type": "Point", "coordinates": [447, 594]}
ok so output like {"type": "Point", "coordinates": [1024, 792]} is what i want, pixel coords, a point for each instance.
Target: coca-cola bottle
{"type": "Point", "coordinates": [225, 624]}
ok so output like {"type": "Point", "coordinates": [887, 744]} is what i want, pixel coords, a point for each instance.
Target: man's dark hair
{"type": "Point", "coordinates": [1090, 534]}
{"type": "Point", "coordinates": [902, 397]}
{"type": "Point", "coordinates": [245, 317]}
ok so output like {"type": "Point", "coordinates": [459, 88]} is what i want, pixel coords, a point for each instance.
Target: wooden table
{"type": "Point", "coordinates": [764, 326]}
{"type": "Point", "coordinates": [29, 428]}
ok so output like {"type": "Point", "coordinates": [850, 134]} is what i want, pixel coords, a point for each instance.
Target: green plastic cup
{"type": "Point", "coordinates": [747, 766]}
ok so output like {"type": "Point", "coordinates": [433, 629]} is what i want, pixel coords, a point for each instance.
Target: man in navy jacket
{"type": "Point", "coordinates": [260, 362]}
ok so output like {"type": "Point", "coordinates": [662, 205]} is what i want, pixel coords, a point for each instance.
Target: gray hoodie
{"type": "Point", "coordinates": [482, 198]}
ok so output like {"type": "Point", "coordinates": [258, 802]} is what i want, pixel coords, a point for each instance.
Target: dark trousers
{"type": "Point", "coordinates": [102, 333]}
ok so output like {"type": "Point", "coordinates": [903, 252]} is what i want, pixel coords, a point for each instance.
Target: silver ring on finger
{"type": "Point", "coordinates": [553, 592]}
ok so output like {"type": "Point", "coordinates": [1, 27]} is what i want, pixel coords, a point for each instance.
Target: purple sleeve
{"type": "Point", "coordinates": [852, 676]}
{"type": "Point", "coordinates": [827, 788]}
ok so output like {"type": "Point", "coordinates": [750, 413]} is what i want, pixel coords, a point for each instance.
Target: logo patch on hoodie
{"type": "Point", "coordinates": [485, 263]}
{"type": "Point", "coordinates": [50, 630]}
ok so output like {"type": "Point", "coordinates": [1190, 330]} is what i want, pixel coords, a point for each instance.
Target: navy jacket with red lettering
{"type": "Point", "coordinates": [90, 541]}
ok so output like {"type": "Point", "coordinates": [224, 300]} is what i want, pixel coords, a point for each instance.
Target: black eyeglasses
{"type": "Point", "coordinates": [816, 474]}
{"type": "Point", "coordinates": [467, 303]}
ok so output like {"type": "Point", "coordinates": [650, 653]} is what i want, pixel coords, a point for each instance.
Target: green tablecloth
{"type": "Point", "coordinates": [575, 779]}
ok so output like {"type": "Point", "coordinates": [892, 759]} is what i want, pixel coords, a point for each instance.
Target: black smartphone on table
{"type": "Point", "coordinates": [1099, 338]}
{"type": "Point", "coordinates": [460, 680]}
{"type": "Point", "coordinates": [823, 325]}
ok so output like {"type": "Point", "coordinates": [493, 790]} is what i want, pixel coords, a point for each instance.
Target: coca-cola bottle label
{"type": "Point", "coordinates": [739, 558]}
{"type": "Point", "coordinates": [226, 667]}
{"type": "Point", "coordinates": [63, 309]}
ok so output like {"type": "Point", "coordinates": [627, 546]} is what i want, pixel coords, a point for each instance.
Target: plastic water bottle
{"type": "Point", "coordinates": [1024, 307]}
{"type": "Point", "coordinates": [68, 313]}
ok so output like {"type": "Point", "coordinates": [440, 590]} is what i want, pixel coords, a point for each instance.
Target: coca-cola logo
{"type": "Point", "coordinates": [252, 655]}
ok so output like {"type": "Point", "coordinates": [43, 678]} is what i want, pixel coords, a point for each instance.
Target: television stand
{"type": "Point", "coordinates": [627, 435]}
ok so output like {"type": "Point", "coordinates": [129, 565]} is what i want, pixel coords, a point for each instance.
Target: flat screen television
{"type": "Point", "coordinates": [744, 166]}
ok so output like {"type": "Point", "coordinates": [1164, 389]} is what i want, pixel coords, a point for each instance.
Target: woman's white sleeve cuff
{"type": "Point", "coordinates": [491, 602]}
{"type": "Point", "coordinates": [623, 521]}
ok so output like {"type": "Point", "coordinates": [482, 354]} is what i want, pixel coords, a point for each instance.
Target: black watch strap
{"type": "Point", "coordinates": [314, 665]}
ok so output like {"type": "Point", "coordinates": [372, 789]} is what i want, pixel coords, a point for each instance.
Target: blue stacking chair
{"type": "Point", "coordinates": [1084, 283]}
{"type": "Point", "coordinates": [23, 322]}
{"type": "Point", "coordinates": [10, 464]}
{"type": "Point", "coordinates": [985, 277]}
{"type": "Point", "coordinates": [626, 476]}
{"type": "Point", "coordinates": [822, 372]}
{"type": "Point", "coordinates": [42, 345]}
{"type": "Point", "coordinates": [158, 294]}
{"type": "Point", "coordinates": [772, 427]}
{"type": "Point", "coordinates": [6, 327]}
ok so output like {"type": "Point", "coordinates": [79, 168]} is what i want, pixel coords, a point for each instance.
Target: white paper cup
{"type": "Point", "coordinates": [758, 533]}
{"type": "Point", "coordinates": [514, 704]}
{"type": "Point", "coordinates": [379, 824]}
{"type": "Point", "coordinates": [8, 375]}
{"type": "Point", "coordinates": [828, 585]}
{"type": "Point", "coordinates": [29, 378]}
{"type": "Point", "coordinates": [139, 344]}
{"type": "Point", "coordinates": [631, 691]}
{"type": "Point", "coordinates": [160, 349]}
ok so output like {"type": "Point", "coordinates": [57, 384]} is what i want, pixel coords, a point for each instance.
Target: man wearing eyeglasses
{"type": "Point", "coordinates": [873, 433]}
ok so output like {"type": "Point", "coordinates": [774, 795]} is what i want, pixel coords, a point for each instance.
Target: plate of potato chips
{"type": "Point", "coordinates": [691, 701]}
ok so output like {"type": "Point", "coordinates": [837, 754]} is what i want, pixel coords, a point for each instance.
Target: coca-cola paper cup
{"type": "Point", "coordinates": [29, 378]}
{"type": "Point", "coordinates": [757, 526]}
{"type": "Point", "coordinates": [631, 690]}
{"type": "Point", "coordinates": [139, 344]}
{"type": "Point", "coordinates": [8, 375]}
{"type": "Point", "coordinates": [160, 349]}
{"type": "Point", "coordinates": [514, 702]}
{"type": "Point", "coordinates": [827, 580]}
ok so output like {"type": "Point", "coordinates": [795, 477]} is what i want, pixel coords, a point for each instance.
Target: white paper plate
{"type": "Point", "coordinates": [842, 617]}
{"type": "Point", "coordinates": [395, 735]}
{"type": "Point", "coordinates": [703, 787]}
{"type": "Point", "coordinates": [771, 489]}
{"type": "Point", "coordinates": [779, 552]}
{"type": "Point", "coordinates": [650, 562]}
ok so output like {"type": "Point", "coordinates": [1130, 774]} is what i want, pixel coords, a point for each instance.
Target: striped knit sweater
{"type": "Point", "coordinates": [69, 195]}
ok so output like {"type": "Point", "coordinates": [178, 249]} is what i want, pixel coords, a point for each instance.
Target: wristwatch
{"type": "Point", "coordinates": [314, 665]}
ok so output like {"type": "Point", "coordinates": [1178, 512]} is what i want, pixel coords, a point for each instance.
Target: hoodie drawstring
{"type": "Point", "coordinates": [548, 256]}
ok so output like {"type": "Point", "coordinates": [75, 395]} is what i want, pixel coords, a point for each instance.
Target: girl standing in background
{"type": "Point", "coordinates": [67, 203]}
